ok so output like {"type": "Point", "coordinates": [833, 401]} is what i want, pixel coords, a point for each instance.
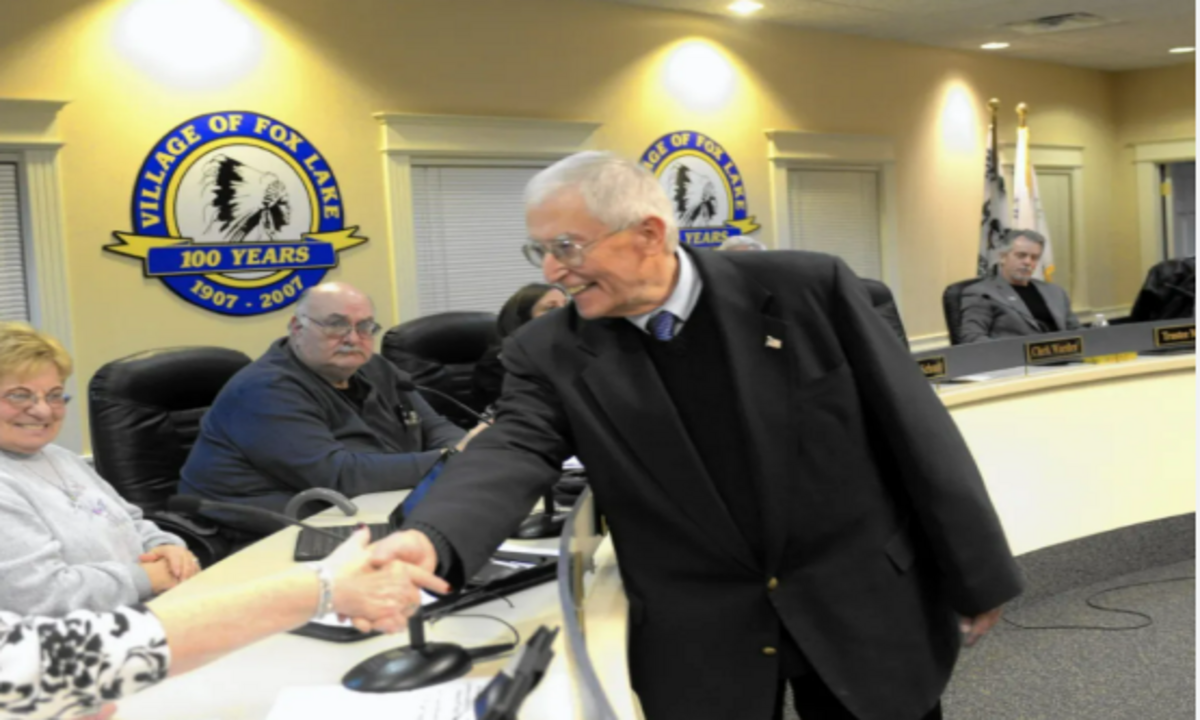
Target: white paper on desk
{"type": "Point", "coordinates": [450, 701]}
{"type": "Point", "coordinates": [524, 546]}
{"type": "Point", "coordinates": [993, 375]}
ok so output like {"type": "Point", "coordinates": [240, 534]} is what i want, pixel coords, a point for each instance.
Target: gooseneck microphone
{"type": "Point", "coordinates": [409, 386]}
{"type": "Point", "coordinates": [192, 505]}
{"type": "Point", "coordinates": [418, 665]}
{"type": "Point", "coordinates": [315, 494]}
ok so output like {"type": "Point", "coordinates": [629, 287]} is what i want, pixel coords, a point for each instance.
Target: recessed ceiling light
{"type": "Point", "coordinates": [218, 46]}
{"type": "Point", "coordinates": [994, 46]}
{"type": "Point", "coordinates": [1181, 50]}
{"type": "Point", "coordinates": [700, 77]}
{"type": "Point", "coordinates": [745, 7]}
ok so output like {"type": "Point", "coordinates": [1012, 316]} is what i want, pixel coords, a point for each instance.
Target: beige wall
{"type": "Point", "coordinates": [1157, 104]}
{"type": "Point", "coordinates": [327, 66]}
{"type": "Point", "coordinates": [1150, 106]}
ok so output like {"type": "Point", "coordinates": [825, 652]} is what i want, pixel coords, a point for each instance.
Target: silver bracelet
{"type": "Point", "coordinates": [325, 579]}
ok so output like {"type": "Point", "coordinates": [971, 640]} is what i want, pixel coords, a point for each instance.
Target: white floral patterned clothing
{"type": "Point", "coordinates": [73, 666]}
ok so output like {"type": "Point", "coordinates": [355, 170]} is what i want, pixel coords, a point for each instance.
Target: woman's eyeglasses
{"type": "Point", "coordinates": [25, 399]}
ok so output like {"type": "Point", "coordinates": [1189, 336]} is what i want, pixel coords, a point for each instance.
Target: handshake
{"type": "Point", "coordinates": [378, 586]}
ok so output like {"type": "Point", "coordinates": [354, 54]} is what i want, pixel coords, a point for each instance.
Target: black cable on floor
{"type": "Point", "coordinates": [1090, 602]}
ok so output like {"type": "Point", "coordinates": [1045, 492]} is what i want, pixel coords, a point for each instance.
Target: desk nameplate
{"type": "Point", "coordinates": [933, 367]}
{"type": "Point", "coordinates": [1068, 348]}
{"type": "Point", "coordinates": [1175, 335]}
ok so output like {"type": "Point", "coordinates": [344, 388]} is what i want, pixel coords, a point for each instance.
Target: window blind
{"type": "Point", "coordinates": [837, 212]}
{"type": "Point", "coordinates": [14, 296]}
{"type": "Point", "coordinates": [470, 224]}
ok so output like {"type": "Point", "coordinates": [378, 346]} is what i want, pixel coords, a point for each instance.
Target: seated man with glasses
{"type": "Point", "coordinates": [319, 410]}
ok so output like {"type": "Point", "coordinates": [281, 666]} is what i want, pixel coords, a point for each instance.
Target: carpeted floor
{"type": "Point", "coordinates": [1145, 674]}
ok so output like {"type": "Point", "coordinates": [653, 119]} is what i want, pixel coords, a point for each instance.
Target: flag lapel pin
{"type": "Point", "coordinates": [774, 343]}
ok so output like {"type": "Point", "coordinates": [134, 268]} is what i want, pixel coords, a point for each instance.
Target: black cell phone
{"type": "Point", "coordinates": [332, 633]}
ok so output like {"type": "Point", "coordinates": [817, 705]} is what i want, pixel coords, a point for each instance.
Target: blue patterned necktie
{"type": "Point", "coordinates": [662, 326]}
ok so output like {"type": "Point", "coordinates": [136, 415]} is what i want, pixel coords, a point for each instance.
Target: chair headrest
{"type": "Point", "coordinates": [179, 378]}
{"type": "Point", "coordinates": [956, 289]}
{"type": "Point", "coordinates": [885, 304]}
{"type": "Point", "coordinates": [145, 413]}
{"type": "Point", "coordinates": [449, 338]}
{"type": "Point", "coordinates": [952, 307]}
{"type": "Point", "coordinates": [879, 292]}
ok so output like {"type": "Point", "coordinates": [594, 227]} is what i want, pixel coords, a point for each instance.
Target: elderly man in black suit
{"type": "Point", "coordinates": [788, 498]}
{"type": "Point", "coordinates": [1012, 303]}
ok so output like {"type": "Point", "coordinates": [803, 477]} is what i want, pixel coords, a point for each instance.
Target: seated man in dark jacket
{"type": "Point", "coordinates": [1012, 303]}
{"type": "Point", "coordinates": [318, 409]}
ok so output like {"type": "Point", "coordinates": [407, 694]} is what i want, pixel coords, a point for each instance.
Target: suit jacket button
{"type": "Point", "coordinates": [768, 650]}
{"type": "Point", "coordinates": [772, 583]}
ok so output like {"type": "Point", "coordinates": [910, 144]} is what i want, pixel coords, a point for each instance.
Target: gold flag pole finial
{"type": "Point", "coordinates": [993, 106]}
{"type": "Point", "coordinates": [1022, 110]}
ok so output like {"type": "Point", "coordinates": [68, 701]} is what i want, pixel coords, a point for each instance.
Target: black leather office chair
{"type": "Point", "coordinates": [1169, 292]}
{"type": "Point", "coordinates": [952, 308]}
{"type": "Point", "coordinates": [885, 305]}
{"type": "Point", "coordinates": [145, 413]}
{"type": "Point", "coordinates": [440, 351]}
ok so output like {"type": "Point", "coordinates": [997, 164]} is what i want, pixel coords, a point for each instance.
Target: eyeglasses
{"type": "Point", "coordinates": [565, 248]}
{"type": "Point", "coordinates": [341, 327]}
{"type": "Point", "coordinates": [24, 399]}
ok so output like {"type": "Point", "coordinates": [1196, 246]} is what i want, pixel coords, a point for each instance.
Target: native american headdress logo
{"type": "Point", "coordinates": [236, 213]}
{"type": "Point", "coordinates": [705, 187]}
{"type": "Point", "coordinates": [242, 203]}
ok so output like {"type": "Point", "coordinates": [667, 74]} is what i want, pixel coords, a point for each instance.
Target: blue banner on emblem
{"type": "Point", "coordinates": [206, 259]}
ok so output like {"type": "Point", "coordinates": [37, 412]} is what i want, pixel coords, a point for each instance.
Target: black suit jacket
{"type": "Point", "coordinates": [878, 527]}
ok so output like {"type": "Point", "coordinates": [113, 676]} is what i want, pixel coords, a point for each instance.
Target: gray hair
{"type": "Point", "coordinates": [741, 242]}
{"type": "Point", "coordinates": [618, 192]}
{"type": "Point", "coordinates": [1010, 237]}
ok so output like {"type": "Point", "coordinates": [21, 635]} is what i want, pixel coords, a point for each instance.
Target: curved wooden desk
{"type": "Point", "coordinates": [1073, 451]}
{"type": "Point", "coordinates": [244, 685]}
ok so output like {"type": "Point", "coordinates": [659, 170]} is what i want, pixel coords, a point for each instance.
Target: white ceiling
{"type": "Point", "coordinates": [1143, 32]}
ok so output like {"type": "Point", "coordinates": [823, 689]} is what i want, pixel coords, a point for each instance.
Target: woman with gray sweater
{"type": "Point", "coordinates": [68, 541]}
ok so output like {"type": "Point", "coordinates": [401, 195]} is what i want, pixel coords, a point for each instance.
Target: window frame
{"type": "Point", "coordinates": [441, 140]}
{"type": "Point", "coordinates": [1147, 157]}
{"type": "Point", "coordinates": [795, 150]}
{"type": "Point", "coordinates": [435, 162]}
{"type": "Point", "coordinates": [27, 256]}
{"type": "Point", "coordinates": [829, 167]}
{"type": "Point", "coordinates": [29, 131]}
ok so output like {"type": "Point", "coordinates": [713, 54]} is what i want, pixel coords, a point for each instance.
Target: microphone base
{"type": "Point", "coordinates": [541, 525]}
{"type": "Point", "coordinates": [409, 669]}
